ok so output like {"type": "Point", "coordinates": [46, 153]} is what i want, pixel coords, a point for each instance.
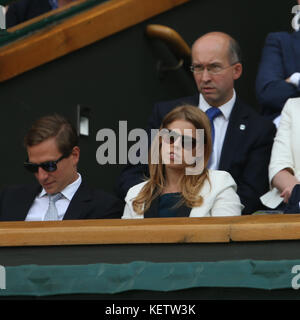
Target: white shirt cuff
{"type": "Point", "coordinates": [294, 78]}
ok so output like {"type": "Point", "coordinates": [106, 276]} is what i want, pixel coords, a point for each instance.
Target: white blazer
{"type": "Point", "coordinates": [286, 149]}
{"type": "Point", "coordinates": [219, 198]}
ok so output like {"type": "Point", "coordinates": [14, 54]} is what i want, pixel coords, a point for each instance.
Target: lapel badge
{"type": "Point", "coordinates": [242, 127]}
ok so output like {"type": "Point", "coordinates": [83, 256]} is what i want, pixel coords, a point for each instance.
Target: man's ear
{"type": "Point", "coordinates": [237, 70]}
{"type": "Point", "coordinates": [75, 154]}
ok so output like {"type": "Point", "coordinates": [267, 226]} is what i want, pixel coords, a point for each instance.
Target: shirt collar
{"type": "Point", "coordinates": [69, 191]}
{"type": "Point", "coordinates": [225, 108]}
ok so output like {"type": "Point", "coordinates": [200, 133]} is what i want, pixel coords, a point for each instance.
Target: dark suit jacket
{"type": "Point", "coordinates": [245, 153]}
{"type": "Point", "coordinates": [293, 205]}
{"type": "Point", "coordinates": [280, 59]}
{"type": "Point", "coordinates": [23, 10]}
{"type": "Point", "coordinates": [86, 203]}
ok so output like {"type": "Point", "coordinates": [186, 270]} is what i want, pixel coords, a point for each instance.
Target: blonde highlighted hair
{"type": "Point", "coordinates": [190, 184]}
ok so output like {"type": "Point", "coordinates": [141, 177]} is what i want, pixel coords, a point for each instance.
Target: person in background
{"type": "Point", "coordinates": [61, 193]}
{"type": "Point", "coordinates": [171, 190]}
{"type": "Point", "coordinates": [279, 70]}
{"type": "Point", "coordinates": [284, 168]}
{"type": "Point", "coordinates": [23, 10]}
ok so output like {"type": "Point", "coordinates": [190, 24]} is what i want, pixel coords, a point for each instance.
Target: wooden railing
{"type": "Point", "coordinates": [170, 230]}
{"type": "Point", "coordinates": [171, 38]}
{"type": "Point", "coordinates": [76, 32]}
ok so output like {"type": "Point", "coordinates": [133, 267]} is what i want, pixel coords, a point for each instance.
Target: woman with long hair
{"type": "Point", "coordinates": [180, 184]}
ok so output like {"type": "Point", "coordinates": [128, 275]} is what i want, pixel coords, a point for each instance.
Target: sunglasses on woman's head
{"type": "Point", "coordinates": [169, 136]}
{"type": "Point", "coordinates": [49, 166]}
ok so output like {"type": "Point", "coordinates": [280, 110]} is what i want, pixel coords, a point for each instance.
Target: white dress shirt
{"type": "Point", "coordinates": [220, 124]}
{"type": "Point", "coordinates": [40, 204]}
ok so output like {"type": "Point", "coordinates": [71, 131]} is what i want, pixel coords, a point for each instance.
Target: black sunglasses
{"type": "Point", "coordinates": [170, 137]}
{"type": "Point", "coordinates": [49, 166]}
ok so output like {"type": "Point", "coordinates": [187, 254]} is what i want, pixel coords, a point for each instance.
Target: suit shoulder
{"type": "Point", "coordinates": [20, 188]}
{"type": "Point", "coordinates": [134, 191]}
{"type": "Point", "coordinates": [160, 109]}
{"type": "Point", "coordinates": [246, 109]}
{"type": "Point", "coordinates": [256, 119]}
{"type": "Point", "coordinates": [106, 202]}
{"type": "Point", "coordinates": [221, 178]}
{"type": "Point", "coordinates": [101, 195]}
{"type": "Point", "coordinates": [193, 100]}
{"type": "Point", "coordinates": [292, 104]}
{"type": "Point", "coordinates": [278, 35]}
{"type": "Point", "coordinates": [259, 120]}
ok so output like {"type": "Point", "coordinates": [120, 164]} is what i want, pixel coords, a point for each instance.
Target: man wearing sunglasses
{"type": "Point", "coordinates": [242, 139]}
{"type": "Point", "coordinates": [53, 155]}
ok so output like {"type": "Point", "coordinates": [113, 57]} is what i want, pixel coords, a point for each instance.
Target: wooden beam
{"type": "Point", "coordinates": [266, 227]}
{"type": "Point", "coordinates": [181, 230]}
{"type": "Point", "coordinates": [76, 32]}
{"type": "Point", "coordinates": [170, 230]}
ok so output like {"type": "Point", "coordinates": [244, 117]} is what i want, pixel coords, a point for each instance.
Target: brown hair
{"type": "Point", "coordinates": [190, 184]}
{"type": "Point", "coordinates": [53, 126]}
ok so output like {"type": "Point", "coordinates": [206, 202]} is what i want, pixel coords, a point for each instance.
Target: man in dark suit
{"type": "Point", "coordinates": [279, 72]}
{"type": "Point", "coordinates": [243, 139]}
{"type": "Point", "coordinates": [53, 155]}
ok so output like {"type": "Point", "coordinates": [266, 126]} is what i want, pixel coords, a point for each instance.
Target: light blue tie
{"type": "Point", "coordinates": [213, 113]}
{"type": "Point", "coordinates": [52, 213]}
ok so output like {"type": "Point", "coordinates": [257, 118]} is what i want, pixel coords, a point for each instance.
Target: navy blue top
{"type": "Point", "coordinates": [167, 203]}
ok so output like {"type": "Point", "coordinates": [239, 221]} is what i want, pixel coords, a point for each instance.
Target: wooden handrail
{"type": "Point", "coordinates": [76, 32]}
{"type": "Point", "coordinates": [171, 38]}
{"type": "Point", "coordinates": [170, 230]}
